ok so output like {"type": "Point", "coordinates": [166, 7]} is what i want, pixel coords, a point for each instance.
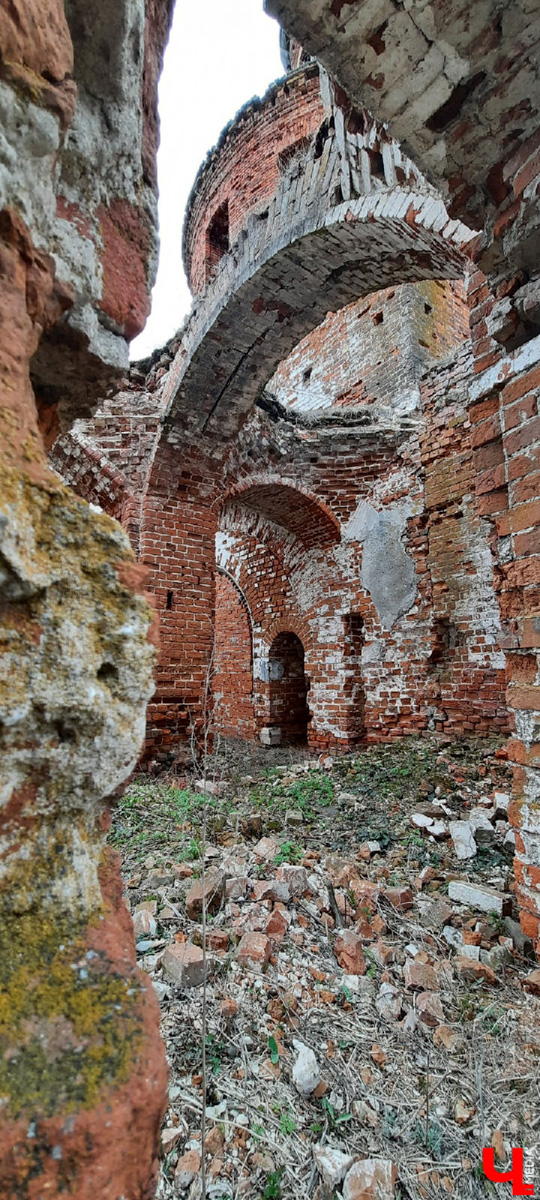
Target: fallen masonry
{"type": "Point", "coordinates": [342, 990]}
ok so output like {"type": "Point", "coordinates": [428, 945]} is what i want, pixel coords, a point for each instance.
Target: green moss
{"type": "Point", "coordinates": [69, 1025]}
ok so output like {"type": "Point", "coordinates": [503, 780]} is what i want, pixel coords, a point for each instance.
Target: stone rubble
{"type": "Point", "coordinates": [305, 1073]}
{"type": "Point", "coordinates": [382, 955]}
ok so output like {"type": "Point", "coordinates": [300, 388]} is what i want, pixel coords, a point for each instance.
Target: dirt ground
{"type": "Point", "coordinates": [365, 1033]}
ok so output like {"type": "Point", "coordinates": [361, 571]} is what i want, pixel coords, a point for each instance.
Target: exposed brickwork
{"type": "Point", "coordinates": [439, 664]}
{"type": "Point", "coordinates": [374, 350]}
{"type": "Point", "coordinates": [467, 666]}
{"type": "Point", "coordinates": [297, 520]}
{"type": "Point", "coordinates": [506, 438]}
{"type": "Point", "coordinates": [459, 89]}
{"type": "Point", "coordinates": [178, 545]}
{"type": "Point", "coordinates": [264, 140]}
{"type": "Point", "coordinates": [232, 681]}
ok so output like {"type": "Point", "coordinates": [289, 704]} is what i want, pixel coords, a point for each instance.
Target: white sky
{"type": "Point", "coordinates": [220, 54]}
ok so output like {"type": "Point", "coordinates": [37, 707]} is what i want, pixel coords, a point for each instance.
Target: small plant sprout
{"type": "Point", "coordinates": [273, 1048]}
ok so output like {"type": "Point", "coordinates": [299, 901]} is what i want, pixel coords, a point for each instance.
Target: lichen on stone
{"type": "Point", "coordinates": [69, 1022]}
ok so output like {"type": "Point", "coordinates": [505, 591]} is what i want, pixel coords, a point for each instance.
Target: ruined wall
{"type": "Point", "coordinates": [82, 1072]}
{"type": "Point", "coordinates": [244, 168]}
{"type": "Point", "coordinates": [459, 89]}
{"type": "Point", "coordinates": [466, 670]}
{"type": "Point", "coordinates": [396, 613]}
{"type": "Point", "coordinates": [178, 547]}
{"type": "Point", "coordinates": [280, 279]}
{"type": "Point", "coordinates": [374, 350]}
{"type": "Point", "coordinates": [311, 254]}
{"type": "Point", "coordinates": [506, 436]}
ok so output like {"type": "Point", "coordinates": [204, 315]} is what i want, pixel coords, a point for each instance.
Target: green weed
{"type": "Point", "coordinates": [288, 853]}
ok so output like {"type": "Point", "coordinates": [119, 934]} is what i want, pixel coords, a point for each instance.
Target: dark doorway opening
{"type": "Point", "coordinates": [288, 689]}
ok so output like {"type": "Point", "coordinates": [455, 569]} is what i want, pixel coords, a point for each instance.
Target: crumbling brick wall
{"type": "Point", "coordinates": [265, 138]}
{"type": "Point", "coordinates": [374, 350]}
{"type": "Point", "coordinates": [460, 92]}
{"type": "Point", "coordinates": [504, 411]}
{"type": "Point", "coordinates": [466, 681]}
{"type": "Point", "coordinates": [368, 357]}
{"type": "Point", "coordinates": [437, 664]}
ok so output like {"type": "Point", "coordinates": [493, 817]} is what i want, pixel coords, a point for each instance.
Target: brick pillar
{"type": "Point", "coordinates": [506, 440]}
{"type": "Point", "coordinates": [178, 545]}
{"type": "Point", "coordinates": [233, 677]}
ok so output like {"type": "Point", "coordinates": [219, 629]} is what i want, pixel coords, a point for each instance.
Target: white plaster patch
{"type": "Point", "coordinates": [388, 572]}
{"type": "Point", "coordinates": [226, 544]}
{"type": "Point", "coordinates": [374, 652]}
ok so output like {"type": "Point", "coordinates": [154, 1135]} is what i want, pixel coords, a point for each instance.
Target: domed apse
{"type": "Point", "coordinates": [303, 516]}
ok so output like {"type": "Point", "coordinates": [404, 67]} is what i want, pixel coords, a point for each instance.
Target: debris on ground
{"type": "Point", "coordinates": [372, 1002]}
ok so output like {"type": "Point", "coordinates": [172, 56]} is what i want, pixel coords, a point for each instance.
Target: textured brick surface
{"type": "Point", "coordinates": [510, 392]}
{"type": "Point", "coordinates": [447, 80]}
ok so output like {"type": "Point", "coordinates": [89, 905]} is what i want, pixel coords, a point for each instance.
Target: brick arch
{"type": "Point", "coordinates": [278, 283]}
{"type": "Point", "coordinates": [381, 58]}
{"type": "Point", "coordinates": [311, 254]}
{"type": "Point", "coordinates": [288, 623]}
{"type": "Point", "coordinates": [284, 503]}
{"type": "Point", "coordinates": [251, 318]}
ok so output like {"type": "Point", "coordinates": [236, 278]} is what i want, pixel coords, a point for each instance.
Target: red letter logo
{"type": "Point", "coordinates": [515, 1176]}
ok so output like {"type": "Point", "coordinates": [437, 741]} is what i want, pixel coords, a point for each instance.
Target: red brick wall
{"type": "Point", "coordinates": [245, 170]}
{"type": "Point", "coordinates": [466, 670]}
{"type": "Point", "coordinates": [440, 664]}
{"type": "Point", "coordinates": [286, 585]}
{"type": "Point", "coordinates": [178, 544]}
{"type": "Point", "coordinates": [506, 438]}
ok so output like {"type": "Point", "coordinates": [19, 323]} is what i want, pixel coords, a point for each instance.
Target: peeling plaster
{"type": "Point", "coordinates": [388, 572]}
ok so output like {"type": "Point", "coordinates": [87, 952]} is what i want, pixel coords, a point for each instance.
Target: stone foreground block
{"type": "Point", "coordinates": [476, 896]}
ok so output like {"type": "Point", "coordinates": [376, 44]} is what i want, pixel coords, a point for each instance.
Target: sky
{"type": "Point", "coordinates": [220, 54]}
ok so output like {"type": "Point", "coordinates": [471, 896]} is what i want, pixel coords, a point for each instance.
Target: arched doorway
{"type": "Point", "coordinates": [288, 689]}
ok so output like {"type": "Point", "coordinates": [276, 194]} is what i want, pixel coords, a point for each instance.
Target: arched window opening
{"type": "Point", "coordinates": [217, 238]}
{"type": "Point", "coordinates": [288, 690]}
